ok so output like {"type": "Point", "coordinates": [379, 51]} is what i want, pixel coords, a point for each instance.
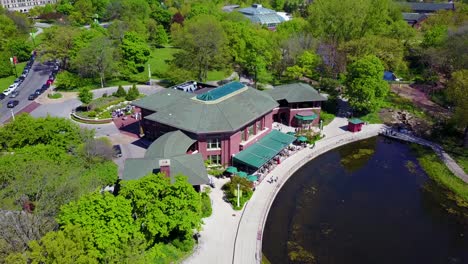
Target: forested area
{"type": "Point", "coordinates": [51, 171]}
{"type": "Point", "coordinates": [53, 209]}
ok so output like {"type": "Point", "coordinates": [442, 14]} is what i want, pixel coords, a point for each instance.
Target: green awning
{"type": "Point", "coordinates": [252, 178]}
{"type": "Point", "coordinates": [242, 174]}
{"type": "Point", "coordinates": [306, 117]}
{"type": "Point", "coordinates": [264, 150]}
{"type": "Point", "coordinates": [355, 121]}
{"type": "Point", "coordinates": [231, 169]}
{"type": "Point", "coordinates": [302, 139]}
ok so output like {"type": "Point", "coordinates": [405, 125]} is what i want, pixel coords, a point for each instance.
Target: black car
{"type": "Point", "coordinates": [32, 96]}
{"type": "Point", "coordinates": [2, 96]}
{"type": "Point", "coordinates": [12, 103]}
{"type": "Point", "coordinates": [38, 92]}
{"type": "Point", "coordinates": [117, 151]}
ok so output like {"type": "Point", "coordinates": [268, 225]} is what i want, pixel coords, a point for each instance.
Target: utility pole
{"type": "Point", "coordinates": [238, 195]}
{"type": "Point", "coordinates": [149, 73]}
{"type": "Point", "coordinates": [12, 114]}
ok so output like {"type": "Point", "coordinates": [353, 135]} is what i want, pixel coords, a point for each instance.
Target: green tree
{"type": "Point", "coordinates": [365, 87]}
{"type": "Point", "coordinates": [85, 95]}
{"type": "Point", "coordinates": [202, 42]}
{"type": "Point", "coordinates": [97, 59]}
{"type": "Point", "coordinates": [307, 64]}
{"type": "Point", "coordinates": [133, 93]}
{"type": "Point", "coordinates": [162, 209]}
{"type": "Point", "coordinates": [72, 245]}
{"type": "Point", "coordinates": [107, 218]}
{"type": "Point", "coordinates": [230, 189]}
{"type": "Point", "coordinates": [19, 48]}
{"type": "Point", "coordinates": [121, 92]}
{"type": "Point", "coordinates": [58, 43]}
{"type": "Point", "coordinates": [135, 52]}
{"type": "Point", "coordinates": [28, 131]}
{"type": "Point", "coordinates": [458, 93]}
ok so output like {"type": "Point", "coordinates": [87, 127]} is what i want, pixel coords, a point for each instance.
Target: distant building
{"type": "Point", "coordinates": [414, 19]}
{"type": "Point", "coordinates": [426, 8]}
{"type": "Point", "coordinates": [23, 6]}
{"type": "Point", "coordinates": [263, 16]}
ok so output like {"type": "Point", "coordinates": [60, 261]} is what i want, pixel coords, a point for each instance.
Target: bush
{"type": "Point", "coordinates": [54, 95]}
{"type": "Point", "coordinates": [230, 189]}
{"type": "Point", "coordinates": [92, 113]}
{"type": "Point", "coordinates": [133, 93]}
{"type": "Point", "coordinates": [120, 92]}
{"type": "Point", "coordinates": [67, 81]}
{"type": "Point", "coordinates": [206, 205]}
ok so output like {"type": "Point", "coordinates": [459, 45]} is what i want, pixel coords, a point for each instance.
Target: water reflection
{"type": "Point", "coordinates": [376, 207]}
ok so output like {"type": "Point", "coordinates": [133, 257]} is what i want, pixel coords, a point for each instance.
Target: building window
{"type": "Point", "coordinates": [251, 131]}
{"type": "Point", "coordinates": [259, 126]}
{"type": "Point", "coordinates": [213, 143]}
{"type": "Point", "coordinates": [215, 159]}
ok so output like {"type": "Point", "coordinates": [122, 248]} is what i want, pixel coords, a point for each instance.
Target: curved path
{"type": "Point", "coordinates": [236, 236]}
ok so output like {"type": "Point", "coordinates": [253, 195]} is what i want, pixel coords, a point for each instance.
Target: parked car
{"type": "Point", "coordinates": [12, 103]}
{"type": "Point", "coordinates": [38, 92]}
{"type": "Point", "coordinates": [2, 96]}
{"type": "Point", "coordinates": [7, 92]}
{"type": "Point", "coordinates": [13, 86]}
{"type": "Point", "coordinates": [117, 151]}
{"type": "Point", "coordinates": [50, 82]}
{"type": "Point", "coordinates": [32, 96]}
{"type": "Point", "coordinates": [14, 94]}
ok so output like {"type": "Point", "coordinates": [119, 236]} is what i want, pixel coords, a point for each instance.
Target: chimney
{"type": "Point", "coordinates": [165, 167]}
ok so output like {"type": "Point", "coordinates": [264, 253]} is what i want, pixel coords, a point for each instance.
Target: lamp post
{"type": "Point", "coordinates": [149, 73]}
{"type": "Point", "coordinates": [238, 195]}
{"type": "Point", "coordinates": [33, 38]}
{"type": "Point", "coordinates": [12, 114]}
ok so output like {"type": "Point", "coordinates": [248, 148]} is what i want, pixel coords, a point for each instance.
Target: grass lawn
{"type": "Point", "coordinates": [159, 65]}
{"type": "Point", "coordinates": [437, 170]}
{"type": "Point", "coordinates": [7, 81]}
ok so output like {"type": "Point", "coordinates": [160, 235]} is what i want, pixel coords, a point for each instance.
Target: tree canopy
{"type": "Point", "coordinates": [365, 87]}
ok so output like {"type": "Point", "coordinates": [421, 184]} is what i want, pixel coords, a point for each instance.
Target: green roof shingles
{"type": "Point", "coordinates": [181, 110]}
{"type": "Point", "coordinates": [295, 93]}
{"type": "Point", "coordinates": [172, 146]}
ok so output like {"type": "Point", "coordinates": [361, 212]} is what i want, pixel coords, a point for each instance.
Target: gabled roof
{"type": "Point", "coordinates": [416, 17]}
{"type": "Point", "coordinates": [190, 165]}
{"type": "Point", "coordinates": [172, 146]}
{"type": "Point", "coordinates": [184, 111]}
{"type": "Point", "coordinates": [295, 93]}
{"type": "Point", "coordinates": [429, 7]}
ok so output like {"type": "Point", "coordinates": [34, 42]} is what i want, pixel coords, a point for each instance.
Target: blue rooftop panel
{"type": "Point", "coordinates": [221, 91]}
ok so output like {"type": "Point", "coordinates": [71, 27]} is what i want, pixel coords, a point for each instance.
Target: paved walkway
{"type": "Point", "coordinates": [238, 239]}
{"type": "Point", "coordinates": [219, 242]}
{"type": "Point", "coordinates": [451, 164]}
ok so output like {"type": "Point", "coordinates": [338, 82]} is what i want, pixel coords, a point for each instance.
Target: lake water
{"type": "Point", "coordinates": [366, 202]}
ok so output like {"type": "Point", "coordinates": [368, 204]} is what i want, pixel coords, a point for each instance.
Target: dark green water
{"type": "Point", "coordinates": [366, 202]}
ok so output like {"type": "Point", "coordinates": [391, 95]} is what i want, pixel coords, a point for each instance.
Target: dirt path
{"type": "Point", "coordinates": [420, 99]}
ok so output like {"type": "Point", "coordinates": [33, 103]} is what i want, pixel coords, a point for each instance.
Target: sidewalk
{"type": "Point", "coordinates": [237, 239]}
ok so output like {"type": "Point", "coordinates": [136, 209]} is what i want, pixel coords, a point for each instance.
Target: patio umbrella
{"type": "Point", "coordinates": [231, 169]}
{"type": "Point", "coordinates": [252, 178]}
{"type": "Point", "coordinates": [242, 174]}
{"type": "Point", "coordinates": [302, 139]}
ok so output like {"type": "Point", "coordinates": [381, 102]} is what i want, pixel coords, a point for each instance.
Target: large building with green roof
{"type": "Point", "coordinates": [225, 120]}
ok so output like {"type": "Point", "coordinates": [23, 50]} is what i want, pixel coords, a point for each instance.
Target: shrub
{"type": "Point", "coordinates": [104, 95]}
{"type": "Point", "coordinates": [120, 92]}
{"type": "Point", "coordinates": [206, 205]}
{"type": "Point", "coordinates": [92, 113]}
{"type": "Point", "coordinates": [230, 189]}
{"type": "Point", "coordinates": [54, 95]}
{"type": "Point", "coordinates": [133, 93]}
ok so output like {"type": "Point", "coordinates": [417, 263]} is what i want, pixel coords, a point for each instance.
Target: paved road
{"type": "Point", "coordinates": [37, 76]}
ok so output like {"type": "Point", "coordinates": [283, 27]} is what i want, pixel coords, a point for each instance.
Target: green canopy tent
{"type": "Point", "coordinates": [302, 139]}
{"type": "Point", "coordinates": [231, 169]}
{"type": "Point", "coordinates": [242, 174]}
{"type": "Point", "coordinates": [252, 178]}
